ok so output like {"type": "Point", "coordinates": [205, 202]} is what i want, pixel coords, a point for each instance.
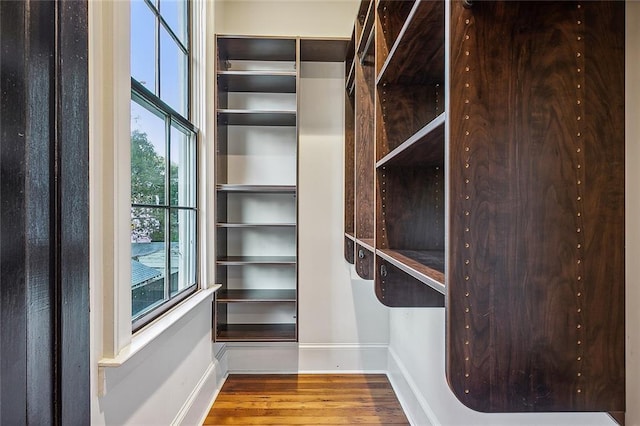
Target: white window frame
{"type": "Point", "coordinates": [113, 339]}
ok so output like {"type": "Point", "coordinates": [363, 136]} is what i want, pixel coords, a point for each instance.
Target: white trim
{"type": "Point", "coordinates": [155, 329]}
{"type": "Point", "coordinates": [342, 358]}
{"type": "Point", "coordinates": [415, 407]}
{"type": "Point", "coordinates": [197, 406]}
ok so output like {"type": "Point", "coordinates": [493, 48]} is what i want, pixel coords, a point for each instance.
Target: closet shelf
{"type": "Point", "coordinates": [426, 266]}
{"type": "Point", "coordinates": [247, 117]}
{"type": "Point", "coordinates": [364, 42]}
{"type": "Point", "coordinates": [254, 225]}
{"type": "Point", "coordinates": [238, 187]}
{"type": "Point", "coordinates": [350, 236]}
{"type": "Point", "coordinates": [256, 260]}
{"type": "Point", "coordinates": [420, 39]}
{"type": "Point", "coordinates": [367, 243]}
{"type": "Point", "coordinates": [227, 296]}
{"type": "Point", "coordinates": [242, 48]}
{"type": "Point", "coordinates": [350, 80]}
{"type": "Point", "coordinates": [425, 147]}
{"type": "Point", "coordinates": [256, 332]}
{"type": "Point", "coordinates": [257, 81]}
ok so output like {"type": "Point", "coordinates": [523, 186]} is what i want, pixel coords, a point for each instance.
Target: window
{"type": "Point", "coordinates": [163, 160]}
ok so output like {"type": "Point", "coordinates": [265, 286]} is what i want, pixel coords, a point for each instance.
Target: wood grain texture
{"type": "Point", "coordinates": [349, 250]}
{"type": "Point", "coordinates": [349, 165]}
{"type": "Point", "coordinates": [391, 17]}
{"type": "Point", "coordinates": [364, 148]}
{"type": "Point", "coordinates": [306, 399]}
{"type": "Point", "coordinates": [402, 111]}
{"type": "Point", "coordinates": [410, 202]}
{"type": "Point", "coordinates": [364, 262]}
{"type": "Point", "coordinates": [536, 276]}
{"type": "Point", "coordinates": [419, 56]}
{"type": "Point", "coordinates": [395, 288]}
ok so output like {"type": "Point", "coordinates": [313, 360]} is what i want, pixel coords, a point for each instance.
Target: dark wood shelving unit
{"type": "Point", "coordinates": [349, 152]}
{"type": "Point", "coordinates": [238, 187]}
{"type": "Point", "coordinates": [257, 81]}
{"type": "Point", "coordinates": [243, 117]}
{"type": "Point", "coordinates": [364, 134]}
{"type": "Point", "coordinates": [255, 71]}
{"type": "Point", "coordinates": [229, 296]}
{"type": "Point", "coordinates": [499, 192]}
{"type": "Point", "coordinates": [256, 260]}
{"type": "Point", "coordinates": [256, 333]}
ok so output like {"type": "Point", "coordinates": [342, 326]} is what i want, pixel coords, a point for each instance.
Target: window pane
{"type": "Point", "coordinates": [174, 13]}
{"type": "Point", "coordinates": [183, 169]}
{"type": "Point", "coordinates": [183, 250]}
{"type": "Point", "coordinates": [143, 45]}
{"type": "Point", "coordinates": [173, 74]}
{"type": "Point", "coordinates": [148, 164]}
{"type": "Point", "coordinates": [148, 259]}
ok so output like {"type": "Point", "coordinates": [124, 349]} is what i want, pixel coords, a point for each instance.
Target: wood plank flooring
{"type": "Point", "coordinates": [306, 399]}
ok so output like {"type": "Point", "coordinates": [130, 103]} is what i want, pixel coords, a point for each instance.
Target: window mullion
{"type": "Point", "coordinates": [167, 197]}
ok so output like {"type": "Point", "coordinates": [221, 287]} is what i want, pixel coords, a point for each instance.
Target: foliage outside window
{"type": "Point", "coordinates": [163, 160]}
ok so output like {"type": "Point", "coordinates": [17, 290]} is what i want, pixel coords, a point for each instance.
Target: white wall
{"type": "Point", "coordinates": [333, 309]}
{"type": "Point", "coordinates": [632, 131]}
{"type": "Point", "coordinates": [156, 385]}
{"type": "Point", "coordinates": [309, 18]}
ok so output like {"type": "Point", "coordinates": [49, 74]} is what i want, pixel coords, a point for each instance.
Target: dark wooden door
{"type": "Point", "coordinates": [44, 279]}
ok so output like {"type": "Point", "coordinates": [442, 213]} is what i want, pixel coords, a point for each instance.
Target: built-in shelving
{"type": "Point", "coordinates": [256, 224]}
{"type": "Point", "coordinates": [240, 117]}
{"type": "Point", "coordinates": [498, 176]}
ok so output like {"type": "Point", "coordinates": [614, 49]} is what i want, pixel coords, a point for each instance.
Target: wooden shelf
{"type": "Point", "coordinates": [275, 189]}
{"type": "Point", "coordinates": [350, 80]}
{"type": "Point", "coordinates": [366, 36]}
{"type": "Point", "coordinates": [420, 39]}
{"type": "Point", "coordinates": [256, 260]}
{"type": "Point", "coordinates": [367, 243]}
{"type": "Point", "coordinates": [256, 332]}
{"type": "Point", "coordinates": [323, 49]}
{"type": "Point", "coordinates": [256, 48]}
{"type": "Point", "coordinates": [227, 296]}
{"type": "Point", "coordinates": [243, 117]}
{"type": "Point", "coordinates": [426, 266]}
{"type": "Point", "coordinates": [426, 147]}
{"type": "Point", "coordinates": [257, 81]}
{"type": "Point", "coordinates": [350, 236]}
{"type": "Point", "coordinates": [255, 225]}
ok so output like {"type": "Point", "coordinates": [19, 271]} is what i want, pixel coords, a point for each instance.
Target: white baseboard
{"type": "Point", "coordinates": [305, 358]}
{"type": "Point", "coordinates": [336, 358]}
{"type": "Point", "coordinates": [196, 407]}
{"type": "Point", "coordinates": [415, 407]}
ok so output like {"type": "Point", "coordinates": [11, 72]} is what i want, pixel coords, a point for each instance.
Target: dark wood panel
{"type": "Point", "coordinates": [239, 117]}
{"type": "Point", "coordinates": [349, 250]}
{"type": "Point", "coordinates": [255, 49]}
{"type": "Point", "coordinates": [349, 165]}
{"type": "Point", "coordinates": [256, 332]}
{"type": "Point", "coordinates": [364, 262]}
{"type": "Point", "coordinates": [411, 204]}
{"type": "Point", "coordinates": [536, 272]}
{"type": "Point", "coordinates": [306, 399]}
{"type": "Point", "coordinates": [402, 111]}
{"type": "Point", "coordinates": [254, 295]}
{"type": "Point", "coordinates": [258, 260]}
{"type": "Point", "coordinates": [395, 288]}
{"type": "Point", "coordinates": [323, 49]}
{"type": "Point", "coordinates": [423, 148]}
{"type": "Point", "coordinates": [44, 285]}
{"type": "Point", "coordinates": [364, 148]}
{"type": "Point", "coordinates": [391, 18]}
{"type": "Point", "coordinates": [256, 81]}
{"type": "Point", "coordinates": [418, 57]}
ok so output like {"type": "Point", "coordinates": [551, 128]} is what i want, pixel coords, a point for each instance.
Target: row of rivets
{"type": "Point", "coordinates": [467, 206]}
{"type": "Point", "coordinates": [579, 197]}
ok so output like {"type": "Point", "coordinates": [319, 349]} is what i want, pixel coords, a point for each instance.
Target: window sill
{"type": "Point", "coordinates": [149, 333]}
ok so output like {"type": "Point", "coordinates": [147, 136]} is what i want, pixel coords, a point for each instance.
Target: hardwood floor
{"type": "Point", "coordinates": [306, 399]}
